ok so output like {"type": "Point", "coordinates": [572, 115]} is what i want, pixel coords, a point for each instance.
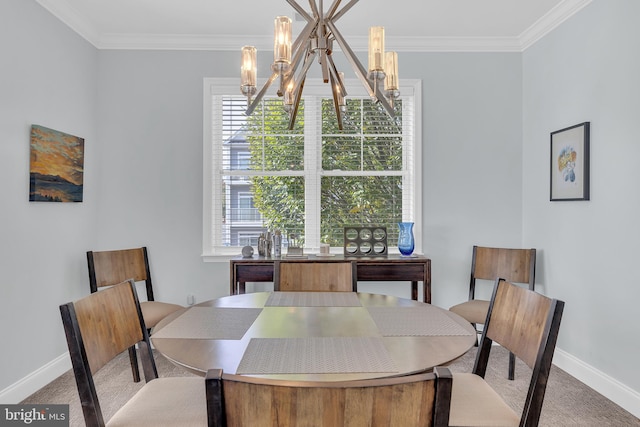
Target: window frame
{"type": "Point", "coordinates": [211, 193]}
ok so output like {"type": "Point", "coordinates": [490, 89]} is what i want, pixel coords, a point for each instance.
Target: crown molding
{"type": "Point", "coordinates": [529, 37]}
{"type": "Point", "coordinates": [179, 42]}
{"type": "Point", "coordinates": [550, 21]}
{"type": "Point", "coordinates": [72, 18]}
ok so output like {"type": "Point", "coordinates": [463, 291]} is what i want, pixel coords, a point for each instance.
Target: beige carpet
{"type": "Point", "coordinates": [568, 402]}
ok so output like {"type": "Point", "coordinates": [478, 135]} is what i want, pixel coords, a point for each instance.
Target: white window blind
{"type": "Point", "coordinates": [311, 181]}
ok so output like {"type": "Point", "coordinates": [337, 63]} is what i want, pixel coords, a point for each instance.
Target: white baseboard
{"type": "Point", "coordinates": [610, 388]}
{"type": "Point", "coordinates": [33, 382]}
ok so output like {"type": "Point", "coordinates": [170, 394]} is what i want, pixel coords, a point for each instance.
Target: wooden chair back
{"type": "Point", "coordinates": [98, 328]}
{"type": "Point", "coordinates": [406, 401]}
{"type": "Point", "coordinates": [513, 265]}
{"type": "Point", "coordinates": [337, 276]}
{"type": "Point", "coordinates": [107, 268]}
{"type": "Point", "coordinates": [527, 324]}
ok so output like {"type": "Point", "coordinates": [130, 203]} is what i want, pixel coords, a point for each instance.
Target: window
{"type": "Point", "coordinates": [246, 210]}
{"type": "Point", "coordinates": [312, 180]}
{"type": "Point", "coordinates": [248, 239]}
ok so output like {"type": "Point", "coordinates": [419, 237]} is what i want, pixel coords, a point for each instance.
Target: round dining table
{"type": "Point", "coordinates": [321, 336]}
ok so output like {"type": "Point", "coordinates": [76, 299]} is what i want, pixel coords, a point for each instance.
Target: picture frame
{"type": "Point", "coordinates": [56, 172]}
{"type": "Point", "coordinates": [569, 163]}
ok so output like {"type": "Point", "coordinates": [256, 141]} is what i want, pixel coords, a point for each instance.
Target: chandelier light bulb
{"type": "Point", "coordinates": [248, 71]}
{"type": "Point", "coordinates": [282, 40]}
{"type": "Point", "coordinates": [376, 49]}
{"type": "Point", "coordinates": [391, 71]}
{"type": "Point", "coordinates": [289, 96]}
{"type": "Point", "coordinates": [342, 103]}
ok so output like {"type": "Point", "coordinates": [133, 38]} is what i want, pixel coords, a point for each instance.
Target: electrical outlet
{"type": "Point", "coordinates": [191, 299]}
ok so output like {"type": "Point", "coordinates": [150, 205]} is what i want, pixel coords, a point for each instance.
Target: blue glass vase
{"type": "Point", "coordinates": [405, 238]}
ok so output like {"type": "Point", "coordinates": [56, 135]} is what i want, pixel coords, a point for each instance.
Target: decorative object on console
{"type": "Point", "coordinates": [316, 42]}
{"type": "Point", "coordinates": [277, 243]}
{"type": "Point", "coordinates": [247, 252]}
{"type": "Point", "coordinates": [406, 241]}
{"type": "Point", "coordinates": [325, 250]}
{"type": "Point", "coordinates": [295, 247]}
{"type": "Point", "coordinates": [365, 241]}
{"type": "Point", "coordinates": [264, 244]}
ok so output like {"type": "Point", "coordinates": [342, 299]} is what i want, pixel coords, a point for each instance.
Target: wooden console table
{"type": "Point", "coordinates": [379, 269]}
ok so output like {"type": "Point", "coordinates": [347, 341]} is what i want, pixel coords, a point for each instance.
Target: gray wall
{"type": "Point", "coordinates": [587, 70]}
{"type": "Point", "coordinates": [48, 77]}
{"type": "Point", "coordinates": [141, 115]}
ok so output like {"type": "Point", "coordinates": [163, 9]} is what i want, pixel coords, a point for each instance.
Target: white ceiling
{"type": "Point", "coordinates": [410, 25]}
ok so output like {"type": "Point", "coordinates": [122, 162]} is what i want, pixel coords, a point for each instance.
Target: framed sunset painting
{"type": "Point", "coordinates": [57, 166]}
{"type": "Point", "coordinates": [570, 163]}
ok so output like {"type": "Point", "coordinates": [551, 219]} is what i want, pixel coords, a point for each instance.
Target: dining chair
{"type": "Point", "coordinates": [527, 324]}
{"type": "Point", "coordinates": [487, 264]}
{"type": "Point", "coordinates": [102, 325]}
{"type": "Point", "coordinates": [403, 401]}
{"type": "Point", "coordinates": [339, 276]}
{"type": "Point", "coordinates": [107, 268]}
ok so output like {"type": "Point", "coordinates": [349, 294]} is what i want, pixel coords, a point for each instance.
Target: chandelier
{"type": "Point", "coordinates": [292, 61]}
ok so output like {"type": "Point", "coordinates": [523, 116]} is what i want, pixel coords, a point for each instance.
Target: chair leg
{"type": "Point", "coordinates": [512, 366]}
{"type": "Point", "coordinates": [477, 335]}
{"type": "Point", "coordinates": [133, 358]}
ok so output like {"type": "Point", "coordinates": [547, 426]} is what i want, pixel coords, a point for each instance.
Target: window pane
{"type": "Point", "coordinates": [351, 120]}
{"type": "Point", "coordinates": [373, 145]}
{"type": "Point", "coordinates": [280, 200]}
{"type": "Point", "coordinates": [341, 152]}
{"type": "Point", "coordinates": [360, 201]}
{"type": "Point", "coordinates": [271, 118]}
{"type": "Point", "coordinates": [382, 153]}
{"type": "Point", "coordinates": [240, 217]}
{"type": "Point", "coordinates": [378, 121]}
{"type": "Point", "coordinates": [273, 147]}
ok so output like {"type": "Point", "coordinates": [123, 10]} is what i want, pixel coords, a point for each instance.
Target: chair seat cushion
{"type": "Point", "coordinates": [475, 403]}
{"type": "Point", "coordinates": [155, 311]}
{"type": "Point", "coordinates": [176, 401]}
{"type": "Point", "coordinates": [475, 311]}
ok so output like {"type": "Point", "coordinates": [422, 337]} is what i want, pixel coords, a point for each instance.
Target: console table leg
{"type": "Point", "coordinates": [414, 290]}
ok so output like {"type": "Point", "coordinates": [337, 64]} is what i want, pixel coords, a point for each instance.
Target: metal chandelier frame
{"type": "Point", "coordinates": [316, 42]}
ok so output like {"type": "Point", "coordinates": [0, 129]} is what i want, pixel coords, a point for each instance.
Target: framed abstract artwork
{"type": "Point", "coordinates": [57, 166]}
{"type": "Point", "coordinates": [570, 163]}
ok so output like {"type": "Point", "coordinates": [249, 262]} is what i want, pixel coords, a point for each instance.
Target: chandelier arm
{"type": "Point", "coordinates": [300, 10]}
{"type": "Point", "coordinates": [334, 71]}
{"type": "Point", "coordinates": [336, 104]}
{"type": "Point", "coordinates": [324, 65]}
{"type": "Point", "coordinates": [295, 64]}
{"type": "Point", "coordinates": [332, 9]}
{"type": "Point", "coordinates": [303, 38]}
{"type": "Point", "coordinates": [260, 95]}
{"type": "Point", "coordinates": [323, 45]}
{"type": "Point", "coordinates": [382, 100]}
{"type": "Point", "coordinates": [314, 8]}
{"type": "Point", "coordinates": [299, 49]}
{"type": "Point", "coordinates": [299, 81]}
{"type": "Point", "coordinates": [344, 10]}
{"type": "Point", "coordinates": [296, 104]}
{"type": "Point", "coordinates": [359, 69]}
